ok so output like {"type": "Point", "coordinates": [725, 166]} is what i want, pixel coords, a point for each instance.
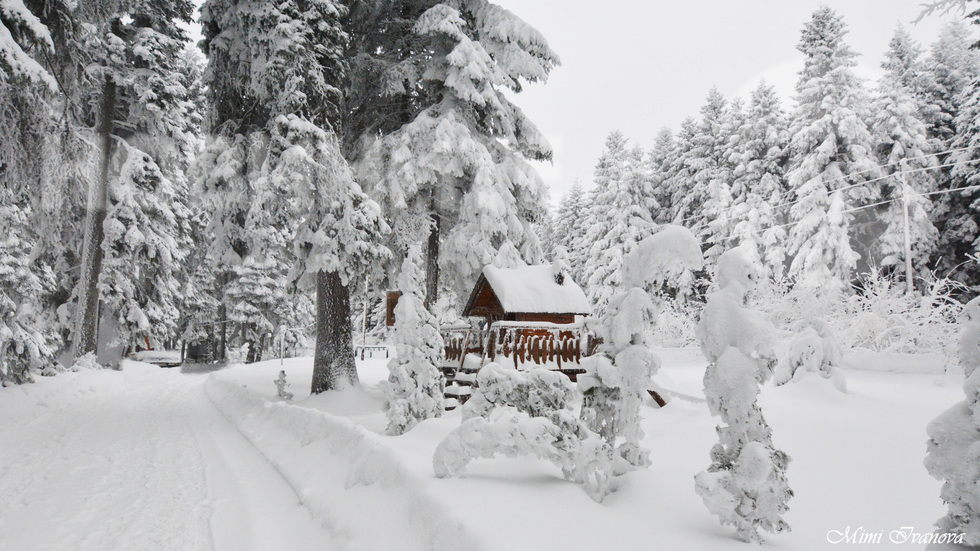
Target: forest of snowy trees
{"type": "Point", "coordinates": [848, 180]}
{"type": "Point", "coordinates": [238, 194]}
{"type": "Point", "coordinates": [253, 191]}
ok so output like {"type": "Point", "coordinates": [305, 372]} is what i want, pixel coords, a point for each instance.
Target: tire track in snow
{"type": "Point", "coordinates": [140, 460]}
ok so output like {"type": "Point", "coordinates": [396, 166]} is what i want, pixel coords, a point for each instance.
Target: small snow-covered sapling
{"type": "Point", "coordinates": [616, 378]}
{"type": "Point", "coordinates": [815, 350]}
{"type": "Point", "coordinates": [281, 385]}
{"type": "Point", "coordinates": [415, 389]}
{"type": "Point", "coordinates": [953, 450]}
{"type": "Point", "coordinates": [745, 485]}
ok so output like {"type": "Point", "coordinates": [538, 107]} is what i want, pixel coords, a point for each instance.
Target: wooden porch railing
{"type": "Point", "coordinates": [530, 344]}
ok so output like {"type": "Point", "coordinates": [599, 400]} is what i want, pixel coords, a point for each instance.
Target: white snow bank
{"type": "Point", "coordinates": [342, 473]}
{"type": "Point", "coordinates": [893, 362]}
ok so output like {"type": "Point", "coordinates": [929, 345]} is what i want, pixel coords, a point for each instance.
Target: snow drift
{"type": "Point", "coordinates": [339, 471]}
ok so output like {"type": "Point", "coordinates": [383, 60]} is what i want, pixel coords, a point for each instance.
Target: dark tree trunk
{"type": "Point", "coordinates": [87, 316]}
{"type": "Point", "coordinates": [333, 361]}
{"type": "Point", "coordinates": [222, 340]}
{"type": "Point", "coordinates": [432, 265]}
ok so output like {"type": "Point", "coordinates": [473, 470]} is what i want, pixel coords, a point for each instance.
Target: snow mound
{"type": "Point", "coordinates": [815, 350]}
{"type": "Point", "coordinates": [339, 470]}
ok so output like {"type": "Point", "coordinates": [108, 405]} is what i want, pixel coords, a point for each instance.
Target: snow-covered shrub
{"type": "Point", "coordinates": [675, 324]}
{"type": "Point", "coordinates": [878, 317]}
{"type": "Point", "coordinates": [883, 318]}
{"type": "Point", "coordinates": [281, 385]}
{"type": "Point", "coordinates": [237, 354]}
{"type": "Point", "coordinates": [816, 350]}
{"type": "Point", "coordinates": [746, 483]}
{"type": "Point", "coordinates": [23, 347]}
{"type": "Point", "coordinates": [616, 378]}
{"type": "Point", "coordinates": [87, 361]}
{"type": "Point", "coordinates": [517, 413]}
{"type": "Point", "coordinates": [954, 440]}
{"type": "Point", "coordinates": [415, 387]}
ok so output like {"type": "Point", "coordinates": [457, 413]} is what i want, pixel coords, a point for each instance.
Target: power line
{"type": "Point", "coordinates": [699, 218]}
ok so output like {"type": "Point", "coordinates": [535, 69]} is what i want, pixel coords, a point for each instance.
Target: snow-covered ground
{"type": "Point", "coordinates": [150, 458]}
{"type": "Point", "coordinates": [138, 459]}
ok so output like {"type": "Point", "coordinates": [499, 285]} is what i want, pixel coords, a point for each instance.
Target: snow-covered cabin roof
{"type": "Point", "coordinates": [529, 289]}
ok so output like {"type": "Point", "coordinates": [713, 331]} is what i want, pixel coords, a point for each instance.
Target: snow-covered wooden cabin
{"type": "Point", "coordinates": [529, 320]}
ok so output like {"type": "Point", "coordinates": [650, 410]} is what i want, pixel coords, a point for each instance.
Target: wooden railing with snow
{"type": "Point", "coordinates": [459, 340]}
{"type": "Point", "coordinates": [530, 344]}
{"type": "Point", "coordinates": [525, 345]}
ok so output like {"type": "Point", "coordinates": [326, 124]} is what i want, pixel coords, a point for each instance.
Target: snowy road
{"type": "Point", "coordinates": [138, 460]}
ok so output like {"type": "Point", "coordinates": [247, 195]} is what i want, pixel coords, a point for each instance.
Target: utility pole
{"type": "Point", "coordinates": [909, 287]}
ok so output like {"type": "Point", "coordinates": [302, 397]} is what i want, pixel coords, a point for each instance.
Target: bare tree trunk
{"type": "Point", "coordinates": [432, 265]}
{"type": "Point", "coordinates": [333, 361]}
{"type": "Point", "coordinates": [87, 316]}
{"type": "Point", "coordinates": [222, 343]}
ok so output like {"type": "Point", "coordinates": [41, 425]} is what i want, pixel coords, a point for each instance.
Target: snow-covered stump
{"type": "Point", "coordinates": [415, 389]}
{"type": "Point", "coordinates": [281, 385]}
{"type": "Point", "coordinates": [953, 450]}
{"type": "Point", "coordinates": [517, 413]}
{"type": "Point", "coordinates": [617, 377]}
{"type": "Point", "coordinates": [745, 486]}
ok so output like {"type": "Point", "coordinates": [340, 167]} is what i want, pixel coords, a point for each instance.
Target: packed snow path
{"type": "Point", "coordinates": [138, 460]}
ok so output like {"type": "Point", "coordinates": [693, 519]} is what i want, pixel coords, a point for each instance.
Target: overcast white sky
{"type": "Point", "coordinates": [640, 65]}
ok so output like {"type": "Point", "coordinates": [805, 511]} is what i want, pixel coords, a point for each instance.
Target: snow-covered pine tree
{"type": "Point", "coordinates": [146, 234]}
{"type": "Point", "coordinates": [569, 230]}
{"type": "Point", "coordinates": [950, 68]}
{"type": "Point", "coordinates": [831, 158]}
{"type": "Point", "coordinates": [616, 378]}
{"type": "Point", "coordinates": [25, 88]}
{"type": "Point", "coordinates": [616, 220]}
{"type": "Point", "coordinates": [958, 212]}
{"type": "Point", "coordinates": [758, 153]}
{"type": "Point", "coordinates": [274, 74]}
{"type": "Point", "coordinates": [678, 180]}
{"type": "Point", "coordinates": [414, 390]}
{"type": "Point", "coordinates": [23, 347]}
{"type": "Point", "coordinates": [253, 299]}
{"type": "Point", "coordinates": [658, 161]}
{"type": "Point", "coordinates": [903, 62]}
{"type": "Point", "coordinates": [948, 93]}
{"type": "Point", "coordinates": [20, 32]}
{"type": "Point", "coordinates": [745, 486]}
{"type": "Point", "coordinates": [132, 50]}
{"type": "Point", "coordinates": [711, 177]}
{"type": "Point", "coordinates": [904, 152]}
{"type": "Point", "coordinates": [463, 152]}
{"type": "Point", "coordinates": [952, 450]}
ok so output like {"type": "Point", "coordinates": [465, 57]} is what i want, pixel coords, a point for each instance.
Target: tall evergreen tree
{"type": "Point", "coordinates": [463, 154]}
{"type": "Point", "coordinates": [131, 47]}
{"type": "Point", "coordinates": [678, 180]}
{"type": "Point", "coordinates": [904, 152]}
{"type": "Point", "coordinates": [616, 220]}
{"type": "Point", "coordinates": [951, 66]}
{"type": "Point", "coordinates": [960, 210]}
{"type": "Point", "coordinates": [758, 154]}
{"type": "Point", "coordinates": [25, 88]}
{"type": "Point", "coordinates": [275, 174]}
{"type": "Point", "coordinates": [659, 160]}
{"type": "Point", "coordinates": [711, 177]}
{"type": "Point", "coordinates": [569, 231]}
{"type": "Point", "coordinates": [831, 158]}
